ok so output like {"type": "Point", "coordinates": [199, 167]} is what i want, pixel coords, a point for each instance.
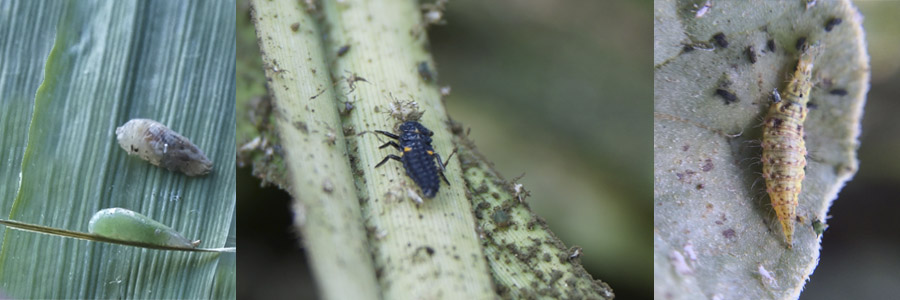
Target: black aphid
{"type": "Point", "coordinates": [418, 156]}
{"type": "Point", "coordinates": [801, 44]}
{"type": "Point", "coordinates": [343, 50]}
{"type": "Point", "coordinates": [771, 45]}
{"type": "Point", "coordinates": [727, 95]}
{"type": "Point", "coordinates": [838, 92]}
{"type": "Point", "coordinates": [425, 71]}
{"type": "Point", "coordinates": [720, 40]}
{"type": "Point", "coordinates": [832, 22]}
{"type": "Point", "coordinates": [751, 54]}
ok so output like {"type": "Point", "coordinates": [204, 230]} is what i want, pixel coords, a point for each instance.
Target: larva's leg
{"type": "Point", "coordinates": [392, 144]}
{"type": "Point", "coordinates": [391, 156]}
{"type": "Point", "coordinates": [390, 135]}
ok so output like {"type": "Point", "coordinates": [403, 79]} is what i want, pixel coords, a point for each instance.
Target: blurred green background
{"type": "Point", "coordinates": [859, 258]}
{"type": "Point", "coordinates": [558, 90]}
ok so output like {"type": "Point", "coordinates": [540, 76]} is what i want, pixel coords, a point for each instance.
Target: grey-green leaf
{"type": "Point", "coordinates": [715, 232]}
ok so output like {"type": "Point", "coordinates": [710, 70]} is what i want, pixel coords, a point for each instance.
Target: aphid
{"type": "Point", "coordinates": [810, 3]}
{"type": "Point", "coordinates": [343, 50]}
{"type": "Point", "coordinates": [678, 262]}
{"type": "Point", "coordinates": [767, 278]}
{"type": "Point", "coordinates": [347, 108]}
{"type": "Point", "coordinates": [831, 23]}
{"type": "Point", "coordinates": [122, 224]}
{"type": "Point", "coordinates": [770, 44]}
{"type": "Point", "coordinates": [776, 97]}
{"type": "Point", "coordinates": [819, 227]}
{"type": "Point", "coordinates": [418, 156]}
{"type": "Point", "coordinates": [801, 43]}
{"type": "Point", "coordinates": [575, 252]}
{"type": "Point", "coordinates": [727, 95]}
{"type": "Point", "coordinates": [751, 54]}
{"type": "Point", "coordinates": [425, 71]}
{"type": "Point", "coordinates": [689, 251]}
{"type": "Point", "coordinates": [783, 149]}
{"type": "Point", "coordinates": [720, 40]}
{"type": "Point", "coordinates": [703, 9]}
{"type": "Point", "coordinates": [838, 92]}
{"type": "Point", "coordinates": [156, 143]}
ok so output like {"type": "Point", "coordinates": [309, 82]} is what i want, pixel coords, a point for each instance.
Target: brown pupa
{"type": "Point", "coordinates": [163, 147]}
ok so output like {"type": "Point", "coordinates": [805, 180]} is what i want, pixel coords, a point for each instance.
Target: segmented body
{"type": "Point", "coordinates": [163, 147]}
{"type": "Point", "coordinates": [783, 149]}
{"type": "Point", "coordinates": [418, 156]}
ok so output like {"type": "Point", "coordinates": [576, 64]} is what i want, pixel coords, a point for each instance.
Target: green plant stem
{"type": "Point", "coordinates": [326, 208]}
{"type": "Point", "coordinates": [422, 251]}
{"type": "Point", "coordinates": [436, 249]}
{"type": "Point", "coordinates": [526, 259]}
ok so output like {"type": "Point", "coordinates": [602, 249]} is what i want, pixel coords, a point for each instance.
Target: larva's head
{"type": "Point", "coordinates": [415, 127]}
{"type": "Point", "coordinates": [807, 59]}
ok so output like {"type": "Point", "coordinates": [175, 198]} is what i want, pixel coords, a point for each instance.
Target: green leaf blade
{"type": "Point", "coordinates": [171, 61]}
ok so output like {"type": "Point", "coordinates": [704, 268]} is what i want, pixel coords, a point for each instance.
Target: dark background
{"type": "Point", "coordinates": [558, 90]}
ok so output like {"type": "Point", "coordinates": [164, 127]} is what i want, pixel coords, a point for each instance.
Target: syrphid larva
{"type": "Point", "coordinates": [126, 225]}
{"type": "Point", "coordinates": [156, 143]}
{"type": "Point", "coordinates": [783, 149]}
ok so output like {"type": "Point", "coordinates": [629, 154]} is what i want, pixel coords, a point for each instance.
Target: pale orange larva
{"type": "Point", "coordinates": [163, 147]}
{"type": "Point", "coordinates": [783, 148]}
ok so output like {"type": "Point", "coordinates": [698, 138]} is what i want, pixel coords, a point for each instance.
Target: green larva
{"type": "Point", "coordinates": [123, 224]}
{"type": "Point", "coordinates": [163, 147]}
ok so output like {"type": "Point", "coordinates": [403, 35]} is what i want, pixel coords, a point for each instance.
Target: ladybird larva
{"type": "Point", "coordinates": [163, 147]}
{"type": "Point", "coordinates": [127, 225]}
{"type": "Point", "coordinates": [783, 149]}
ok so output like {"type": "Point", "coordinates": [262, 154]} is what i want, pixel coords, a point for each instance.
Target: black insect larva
{"type": "Point", "coordinates": [418, 156]}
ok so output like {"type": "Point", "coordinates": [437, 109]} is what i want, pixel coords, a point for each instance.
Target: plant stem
{"type": "Point", "coordinates": [326, 208]}
{"type": "Point", "coordinates": [425, 251]}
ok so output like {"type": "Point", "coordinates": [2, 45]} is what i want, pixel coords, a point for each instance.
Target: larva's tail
{"type": "Point", "coordinates": [787, 227]}
{"type": "Point", "coordinates": [786, 215]}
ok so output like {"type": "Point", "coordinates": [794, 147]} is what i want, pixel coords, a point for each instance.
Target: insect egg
{"type": "Point", "coordinates": [127, 225]}
{"type": "Point", "coordinates": [163, 147]}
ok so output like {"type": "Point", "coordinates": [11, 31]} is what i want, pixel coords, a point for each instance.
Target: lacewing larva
{"type": "Point", "coordinates": [126, 225]}
{"type": "Point", "coordinates": [783, 149]}
{"type": "Point", "coordinates": [163, 147]}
